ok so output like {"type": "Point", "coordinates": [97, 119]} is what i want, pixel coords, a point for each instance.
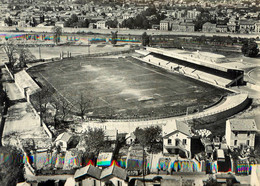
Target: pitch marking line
{"type": "Point", "coordinates": [58, 91]}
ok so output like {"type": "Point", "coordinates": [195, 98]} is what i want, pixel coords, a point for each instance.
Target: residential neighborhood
{"type": "Point", "coordinates": [171, 15]}
{"type": "Point", "coordinates": [129, 92]}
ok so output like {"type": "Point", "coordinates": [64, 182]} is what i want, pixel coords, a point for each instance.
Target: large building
{"type": "Point", "coordinates": [240, 132]}
{"type": "Point", "coordinates": [177, 138]}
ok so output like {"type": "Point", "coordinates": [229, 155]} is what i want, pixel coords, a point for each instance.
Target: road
{"type": "Point", "coordinates": [126, 32]}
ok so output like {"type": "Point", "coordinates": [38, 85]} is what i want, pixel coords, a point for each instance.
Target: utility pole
{"type": "Point", "coordinates": [143, 167]}
{"type": "Point", "coordinates": [88, 48]}
{"type": "Point", "coordinates": [40, 52]}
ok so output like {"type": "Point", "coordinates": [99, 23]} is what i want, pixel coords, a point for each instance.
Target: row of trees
{"type": "Point", "coordinates": [52, 105]}
{"type": "Point", "coordinates": [16, 56]}
{"type": "Point", "coordinates": [74, 21]}
{"type": "Point", "coordinates": [141, 21]}
{"type": "Point", "coordinates": [150, 138]}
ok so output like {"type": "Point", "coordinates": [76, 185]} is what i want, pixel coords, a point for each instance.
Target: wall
{"type": "Point", "coordinates": [123, 31]}
{"type": "Point", "coordinates": [180, 136]}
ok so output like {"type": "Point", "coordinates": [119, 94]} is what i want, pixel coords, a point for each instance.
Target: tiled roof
{"type": "Point", "coordinates": [114, 171]}
{"type": "Point", "coordinates": [64, 137]}
{"type": "Point", "coordinates": [180, 126]}
{"type": "Point", "coordinates": [89, 170]}
{"type": "Point", "coordinates": [243, 125]}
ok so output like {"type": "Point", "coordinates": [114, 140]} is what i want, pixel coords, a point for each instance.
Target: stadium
{"type": "Point", "coordinates": [126, 87]}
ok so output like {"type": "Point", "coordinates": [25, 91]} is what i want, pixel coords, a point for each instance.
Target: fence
{"type": "Point", "coordinates": [9, 72]}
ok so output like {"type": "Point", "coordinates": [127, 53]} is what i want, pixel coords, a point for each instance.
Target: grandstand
{"type": "Point", "coordinates": [204, 66]}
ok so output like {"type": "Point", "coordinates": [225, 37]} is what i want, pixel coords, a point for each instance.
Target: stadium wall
{"type": "Point", "coordinates": [235, 104]}
{"type": "Point", "coordinates": [20, 82]}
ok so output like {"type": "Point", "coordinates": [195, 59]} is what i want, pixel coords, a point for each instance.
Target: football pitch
{"type": "Point", "coordinates": [125, 87]}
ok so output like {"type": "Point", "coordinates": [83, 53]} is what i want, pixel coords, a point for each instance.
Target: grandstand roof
{"type": "Point", "coordinates": [200, 58]}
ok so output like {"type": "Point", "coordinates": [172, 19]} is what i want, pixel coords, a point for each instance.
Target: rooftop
{"type": "Point", "coordinates": [114, 171]}
{"type": "Point", "coordinates": [64, 137]}
{"type": "Point", "coordinates": [242, 125]}
{"type": "Point", "coordinates": [89, 170]}
{"type": "Point", "coordinates": [176, 125]}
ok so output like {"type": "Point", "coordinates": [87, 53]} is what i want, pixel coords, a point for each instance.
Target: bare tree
{"type": "Point", "coordinates": [10, 50]}
{"type": "Point", "coordinates": [83, 104]}
{"type": "Point", "coordinates": [56, 107]}
{"type": "Point", "coordinates": [65, 108]}
{"type": "Point", "coordinates": [57, 31]}
{"type": "Point", "coordinates": [42, 100]}
{"type": "Point", "coordinates": [22, 57]}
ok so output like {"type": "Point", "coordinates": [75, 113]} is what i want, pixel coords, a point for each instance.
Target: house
{"type": "Point", "coordinates": [87, 176]}
{"type": "Point", "coordinates": [130, 138]}
{"type": "Point", "coordinates": [209, 27]}
{"type": "Point", "coordinates": [92, 176]}
{"type": "Point", "coordinates": [114, 175]}
{"type": "Point", "coordinates": [193, 14]}
{"type": "Point", "coordinates": [24, 184]}
{"type": "Point", "coordinates": [257, 27]}
{"type": "Point", "coordinates": [177, 138]}
{"type": "Point", "coordinates": [186, 27]}
{"type": "Point", "coordinates": [232, 25]}
{"type": "Point", "coordinates": [164, 25]}
{"type": "Point", "coordinates": [208, 146]}
{"type": "Point", "coordinates": [175, 25]}
{"type": "Point", "coordinates": [60, 23]}
{"type": "Point", "coordinates": [221, 28]}
{"type": "Point", "coordinates": [246, 26]}
{"type": "Point", "coordinates": [63, 140]}
{"type": "Point", "coordinates": [240, 132]}
{"type": "Point", "coordinates": [101, 25]}
{"type": "Point", "coordinates": [111, 135]}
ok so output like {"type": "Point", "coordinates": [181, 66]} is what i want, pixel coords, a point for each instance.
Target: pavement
{"type": "Point", "coordinates": [21, 120]}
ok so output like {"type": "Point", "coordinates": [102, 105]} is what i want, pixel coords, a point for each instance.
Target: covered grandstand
{"type": "Point", "coordinates": [204, 66]}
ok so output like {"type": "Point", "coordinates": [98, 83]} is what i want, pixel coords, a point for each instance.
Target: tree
{"type": "Point", "coordinates": [95, 139]}
{"type": "Point", "coordinates": [10, 49]}
{"type": "Point", "coordinates": [11, 169]}
{"type": "Point", "coordinates": [22, 57]}
{"type": "Point", "coordinates": [56, 107]}
{"type": "Point", "coordinates": [65, 108]}
{"type": "Point", "coordinates": [57, 31]}
{"type": "Point", "coordinates": [250, 49]}
{"type": "Point", "coordinates": [150, 137]}
{"type": "Point", "coordinates": [112, 23]}
{"type": "Point", "coordinates": [8, 21]}
{"type": "Point", "coordinates": [72, 21]}
{"type": "Point", "coordinates": [83, 105]}
{"type": "Point", "coordinates": [114, 38]}
{"type": "Point", "coordinates": [42, 99]}
{"type": "Point", "coordinates": [83, 23]}
{"type": "Point", "coordinates": [145, 39]}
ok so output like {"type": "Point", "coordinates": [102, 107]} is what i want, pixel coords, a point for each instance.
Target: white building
{"type": "Point", "coordinates": [164, 25]}
{"type": "Point", "coordinates": [240, 132]}
{"type": "Point", "coordinates": [176, 138]}
{"type": "Point", "coordinates": [63, 140]}
{"type": "Point", "coordinates": [101, 25]}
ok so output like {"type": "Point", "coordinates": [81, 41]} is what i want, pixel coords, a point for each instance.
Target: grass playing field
{"type": "Point", "coordinates": [125, 88]}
